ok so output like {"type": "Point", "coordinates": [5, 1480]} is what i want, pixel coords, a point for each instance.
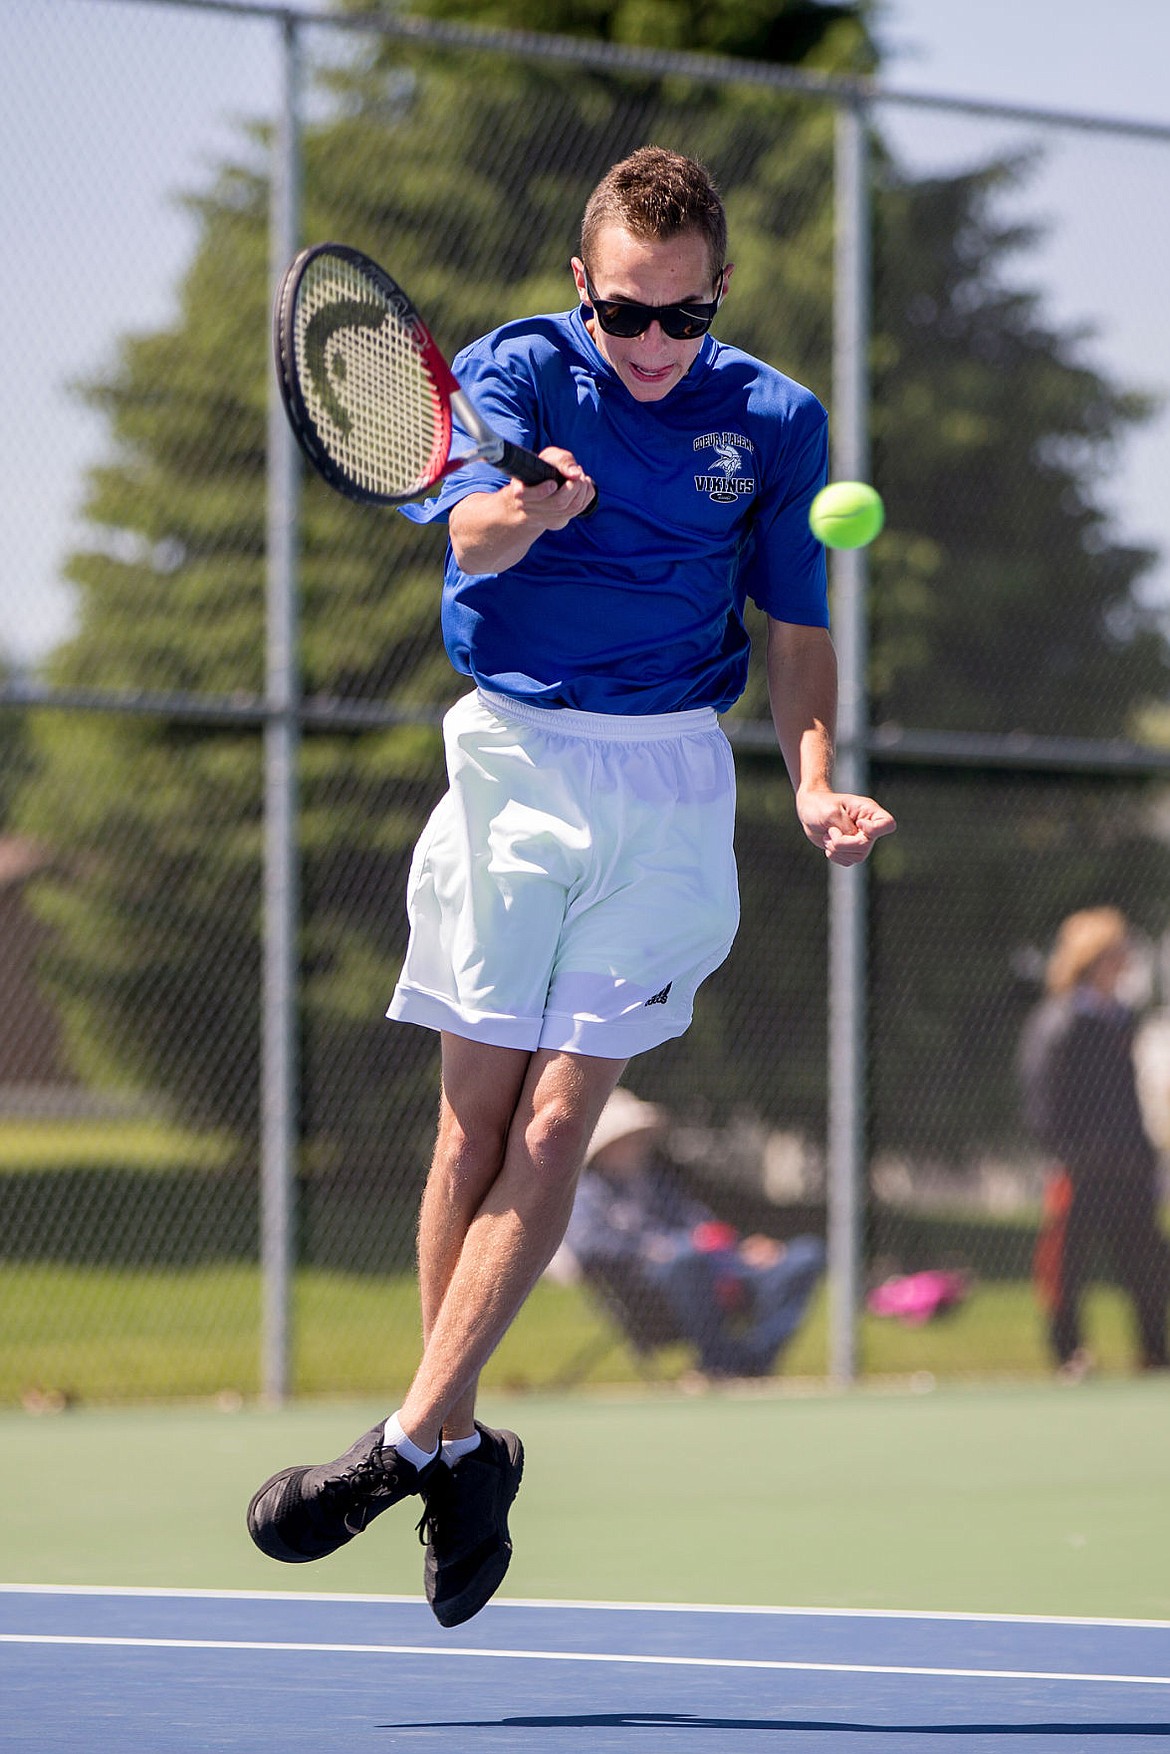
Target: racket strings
{"type": "Point", "coordinates": [365, 382]}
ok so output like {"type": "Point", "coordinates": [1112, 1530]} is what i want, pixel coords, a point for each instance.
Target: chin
{"type": "Point", "coordinates": [643, 392]}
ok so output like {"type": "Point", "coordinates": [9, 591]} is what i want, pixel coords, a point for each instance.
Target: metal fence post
{"type": "Point", "coordinates": [279, 1093]}
{"type": "Point", "coordinates": [847, 887]}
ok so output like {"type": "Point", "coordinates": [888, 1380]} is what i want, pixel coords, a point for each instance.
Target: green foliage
{"type": "Point", "coordinates": [792, 32]}
{"type": "Point", "coordinates": [153, 905]}
{"type": "Point", "coordinates": [980, 405]}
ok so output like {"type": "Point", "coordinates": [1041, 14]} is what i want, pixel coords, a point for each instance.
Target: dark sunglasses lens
{"type": "Point", "coordinates": [629, 320]}
{"type": "Point", "coordinates": [682, 325]}
{"type": "Point", "coordinates": [622, 320]}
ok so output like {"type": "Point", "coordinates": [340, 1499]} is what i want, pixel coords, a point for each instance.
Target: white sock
{"type": "Point", "coordinates": [394, 1435]}
{"type": "Point", "coordinates": [457, 1447]}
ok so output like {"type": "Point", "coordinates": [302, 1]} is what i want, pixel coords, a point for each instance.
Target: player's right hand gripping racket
{"type": "Point", "coordinates": [367, 391]}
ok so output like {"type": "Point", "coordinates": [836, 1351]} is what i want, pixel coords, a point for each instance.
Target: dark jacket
{"type": "Point", "coordinates": [1080, 1088]}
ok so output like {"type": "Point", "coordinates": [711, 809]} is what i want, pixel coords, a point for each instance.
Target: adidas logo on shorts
{"type": "Point", "coordinates": [661, 998]}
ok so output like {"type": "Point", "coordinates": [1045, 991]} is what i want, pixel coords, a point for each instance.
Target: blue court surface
{"type": "Point", "coordinates": [156, 1670]}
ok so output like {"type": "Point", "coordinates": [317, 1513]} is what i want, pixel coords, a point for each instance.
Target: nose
{"type": "Point", "coordinates": [655, 337]}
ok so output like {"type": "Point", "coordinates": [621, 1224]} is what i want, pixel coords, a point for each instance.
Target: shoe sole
{"type": "Point", "coordinates": [493, 1572]}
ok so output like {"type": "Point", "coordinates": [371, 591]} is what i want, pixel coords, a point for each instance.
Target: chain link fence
{"type": "Point", "coordinates": [1017, 684]}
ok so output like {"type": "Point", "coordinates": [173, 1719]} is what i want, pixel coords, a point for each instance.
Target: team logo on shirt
{"type": "Point", "coordinates": [724, 479]}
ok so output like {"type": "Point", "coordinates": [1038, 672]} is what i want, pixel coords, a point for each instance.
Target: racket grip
{"type": "Point", "coordinates": [527, 467]}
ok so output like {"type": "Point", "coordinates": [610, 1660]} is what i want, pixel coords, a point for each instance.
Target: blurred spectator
{"type": "Point", "coordinates": [633, 1228]}
{"type": "Point", "coordinates": [1081, 1101]}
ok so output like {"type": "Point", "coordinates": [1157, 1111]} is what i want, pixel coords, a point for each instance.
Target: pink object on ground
{"type": "Point", "coordinates": [914, 1298]}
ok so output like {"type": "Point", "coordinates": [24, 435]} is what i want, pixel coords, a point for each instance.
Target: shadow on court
{"type": "Point", "coordinates": [656, 1720]}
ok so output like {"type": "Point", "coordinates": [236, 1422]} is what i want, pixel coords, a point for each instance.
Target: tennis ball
{"type": "Point", "coordinates": [846, 514]}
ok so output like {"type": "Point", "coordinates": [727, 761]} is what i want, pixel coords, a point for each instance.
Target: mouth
{"type": "Point", "coordinates": [645, 375]}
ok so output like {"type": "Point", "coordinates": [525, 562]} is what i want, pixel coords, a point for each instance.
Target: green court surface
{"type": "Point", "coordinates": [1014, 1498]}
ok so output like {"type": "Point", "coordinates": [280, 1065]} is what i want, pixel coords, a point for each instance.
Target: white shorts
{"type": "Point", "coordinates": [576, 883]}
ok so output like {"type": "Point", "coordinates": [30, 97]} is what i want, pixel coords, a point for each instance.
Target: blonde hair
{"type": "Point", "coordinates": [1081, 940]}
{"type": "Point", "coordinates": [657, 194]}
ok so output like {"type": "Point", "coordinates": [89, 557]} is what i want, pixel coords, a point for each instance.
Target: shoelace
{"type": "Point", "coordinates": [433, 1508]}
{"type": "Point", "coordinates": [354, 1492]}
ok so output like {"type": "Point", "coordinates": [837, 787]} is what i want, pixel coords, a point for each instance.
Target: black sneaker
{"type": "Point", "coordinates": [465, 1525]}
{"type": "Point", "coordinates": [305, 1513]}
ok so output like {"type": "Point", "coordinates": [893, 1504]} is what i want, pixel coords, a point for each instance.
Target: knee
{"type": "Point", "coordinates": [469, 1153]}
{"type": "Point", "coordinates": [556, 1138]}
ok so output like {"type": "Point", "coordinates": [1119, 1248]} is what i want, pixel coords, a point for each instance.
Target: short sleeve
{"type": "Point", "coordinates": [506, 398]}
{"type": "Point", "coordinates": [783, 570]}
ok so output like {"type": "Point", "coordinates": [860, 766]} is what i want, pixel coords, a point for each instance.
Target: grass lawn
{"type": "Point", "coordinates": [31, 1147]}
{"type": "Point", "coordinates": [95, 1334]}
{"type": "Point", "coordinates": [99, 1335]}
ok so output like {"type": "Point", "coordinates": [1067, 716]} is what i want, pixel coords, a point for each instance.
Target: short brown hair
{"type": "Point", "coordinates": [657, 194]}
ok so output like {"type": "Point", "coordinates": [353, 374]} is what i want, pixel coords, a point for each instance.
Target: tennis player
{"type": "Point", "coordinates": [577, 882]}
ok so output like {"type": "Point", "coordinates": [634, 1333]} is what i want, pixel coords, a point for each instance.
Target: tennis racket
{"type": "Point", "coordinates": [367, 391]}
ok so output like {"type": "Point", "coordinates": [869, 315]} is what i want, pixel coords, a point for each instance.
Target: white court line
{"type": "Point", "coordinates": [572, 1656]}
{"type": "Point", "coordinates": [97, 1589]}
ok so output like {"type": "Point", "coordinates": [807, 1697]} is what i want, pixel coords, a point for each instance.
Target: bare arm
{"type": "Point", "coordinates": [491, 531]}
{"type": "Point", "coordinates": [802, 689]}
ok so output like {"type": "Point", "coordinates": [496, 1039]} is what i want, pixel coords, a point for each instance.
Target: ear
{"type": "Point", "coordinates": [725, 281]}
{"type": "Point", "coordinates": [578, 267]}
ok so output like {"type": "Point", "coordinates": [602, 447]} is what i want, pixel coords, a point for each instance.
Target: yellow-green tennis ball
{"type": "Point", "coordinates": [846, 514]}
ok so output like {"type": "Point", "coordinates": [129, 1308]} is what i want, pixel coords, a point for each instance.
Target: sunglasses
{"type": "Point", "coordinates": [626, 320]}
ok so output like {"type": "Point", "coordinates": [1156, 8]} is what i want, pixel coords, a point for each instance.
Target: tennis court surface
{"type": "Point", "coordinates": [192, 1670]}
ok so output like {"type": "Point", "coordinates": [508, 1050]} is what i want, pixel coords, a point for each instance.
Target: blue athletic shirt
{"type": "Point", "coordinates": [704, 501]}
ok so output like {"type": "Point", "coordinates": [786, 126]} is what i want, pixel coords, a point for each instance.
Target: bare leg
{"type": "Point", "coordinates": [496, 1206]}
{"type": "Point", "coordinates": [512, 1136]}
{"type": "Point", "coordinates": [469, 1153]}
